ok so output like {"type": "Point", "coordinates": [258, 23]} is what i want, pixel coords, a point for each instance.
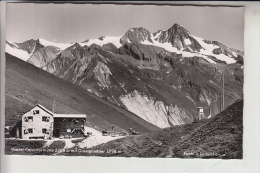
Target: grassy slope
{"type": "Point", "coordinates": [221, 137]}
{"type": "Point", "coordinates": [26, 84]}
{"type": "Point", "coordinates": [218, 137]}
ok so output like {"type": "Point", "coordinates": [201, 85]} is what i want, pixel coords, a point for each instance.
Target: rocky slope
{"type": "Point", "coordinates": [179, 37]}
{"type": "Point", "coordinates": [161, 77]}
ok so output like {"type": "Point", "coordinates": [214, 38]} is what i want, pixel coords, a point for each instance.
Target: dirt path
{"type": "Point", "coordinates": [68, 144]}
{"type": "Point", "coordinates": [96, 140]}
{"type": "Point", "coordinates": [19, 99]}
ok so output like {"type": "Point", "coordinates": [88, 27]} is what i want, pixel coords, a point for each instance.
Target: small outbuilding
{"type": "Point", "coordinates": [69, 125]}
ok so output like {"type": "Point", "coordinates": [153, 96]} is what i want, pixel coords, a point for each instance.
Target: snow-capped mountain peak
{"type": "Point", "coordinates": [14, 50]}
{"type": "Point", "coordinates": [136, 35]}
{"type": "Point", "coordinates": [176, 39]}
{"type": "Point", "coordinates": [102, 41]}
{"type": "Point", "coordinates": [61, 46]}
{"type": "Point", "coordinates": [179, 40]}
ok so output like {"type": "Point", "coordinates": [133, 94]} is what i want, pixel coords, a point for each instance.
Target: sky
{"type": "Point", "coordinates": [69, 23]}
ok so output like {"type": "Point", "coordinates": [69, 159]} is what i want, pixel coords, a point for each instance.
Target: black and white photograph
{"type": "Point", "coordinates": [124, 80]}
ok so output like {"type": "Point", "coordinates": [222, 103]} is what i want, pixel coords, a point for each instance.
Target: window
{"type": "Point", "coordinates": [45, 131]}
{"type": "Point", "coordinates": [30, 130]}
{"type": "Point", "coordinates": [28, 119]}
{"type": "Point", "coordinates": [36, 112]}
{"type": "Point", "coordinates": [25, 131]}
{"type": "Point", "coordinates": [46, 119]}
{"type": "Point", "coordinates": [75, 121]}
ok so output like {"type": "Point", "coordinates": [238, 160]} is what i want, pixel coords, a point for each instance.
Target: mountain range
{"type": "Point", "coordinates": [161, 77]}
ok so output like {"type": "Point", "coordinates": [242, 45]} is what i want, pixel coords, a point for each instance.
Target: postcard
{"type": "Point", "coordinates": [122, 80]}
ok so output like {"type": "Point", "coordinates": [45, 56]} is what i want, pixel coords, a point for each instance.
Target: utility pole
{"type": "Point", "coordinates": [223, 88]}
{"type": "Point", "coordinates": [222, 91]}
{"type": "Point", "coordinates": [53, 106]}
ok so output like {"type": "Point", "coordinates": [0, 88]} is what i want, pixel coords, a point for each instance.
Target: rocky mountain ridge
{"type": "Point", "coordinates": [161, 77]}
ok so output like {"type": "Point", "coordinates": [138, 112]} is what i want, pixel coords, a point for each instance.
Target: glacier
{"type": "Point", "coordinates": [61, 46]}
{"type": "Point", "coordinates": [105, 40]}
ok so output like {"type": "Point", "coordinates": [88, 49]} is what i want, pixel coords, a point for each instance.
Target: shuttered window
{"type": "Point", "coordinates": [28, 119]}
{"type": "Point", "coordinates": [45, 119]}
{"type": "Point", "coordinates": [44, 131]}
{"type": "Point", "coordinates": [36, 112]}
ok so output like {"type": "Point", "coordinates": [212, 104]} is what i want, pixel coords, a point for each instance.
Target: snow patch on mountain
{"type": "Point", "coordinates": [153, 111]}
{"type": "Point", "coordinates": [187, 41]}
{"type": "Point", "coordinates": [192, 54]}
{"type": "Point", "coordinates": [102, 73]}
{"type": "Point", "coordinates": [104, 40]}
{"type": "Point", "coordinates": [208, 50]}
{"type": "Point", "coordinates": [170, 48]}
{"type": "Point", "coordinates": [19, 53]}
{"type": "Point", "coordinates": [61, 46]}
{"type": "Point", "coordinates": [206, 46]}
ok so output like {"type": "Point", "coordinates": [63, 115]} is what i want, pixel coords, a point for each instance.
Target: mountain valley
{"type": "Point", "coordinates": [161, 77]}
